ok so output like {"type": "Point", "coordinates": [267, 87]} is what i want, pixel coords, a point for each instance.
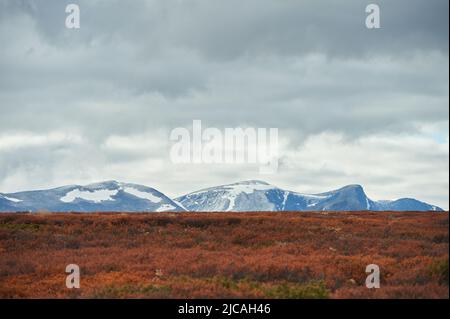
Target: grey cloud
{"type": "Point", "coordinates": [227, 30]}
{"type": "Point", "coordinates": [306, 67]}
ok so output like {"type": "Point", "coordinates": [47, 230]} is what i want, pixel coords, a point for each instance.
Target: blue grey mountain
{"type": "Point", "coordinates": [261, 196]}
{"type": "Point", "coordinates": [112, 196]}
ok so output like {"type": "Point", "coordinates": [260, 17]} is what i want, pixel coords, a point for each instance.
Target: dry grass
{"type": "Point", "coordinates": [222, 255]}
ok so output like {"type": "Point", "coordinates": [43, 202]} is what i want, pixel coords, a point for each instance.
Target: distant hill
{"type": "Point", "coordinates": [113, 196]}
{"type": "Point", "coordinates": [261, 196]}
{"type": "Point", "coordinates": [110, 196]}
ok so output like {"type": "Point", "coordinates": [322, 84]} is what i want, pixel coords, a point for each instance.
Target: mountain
{"type": "Point", "coordinates": [261, 196]}
{"type": "Point", "coordinates": [110, 196]}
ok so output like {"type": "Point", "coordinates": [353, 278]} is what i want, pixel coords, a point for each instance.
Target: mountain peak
{"type": "Point", "coordinates": [110, 182]}
{"type": "Point", "coordinates": [353, 186]}
{"type": "Point", "coordinates": [251, 182]}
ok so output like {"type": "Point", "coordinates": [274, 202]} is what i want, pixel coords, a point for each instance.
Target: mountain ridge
{"type": "Point", "coordinates": [108, 196]}
{"type": "Point", "coordinates": [250, 195]}
{"type": "Point", "coordinates": [240, 197]}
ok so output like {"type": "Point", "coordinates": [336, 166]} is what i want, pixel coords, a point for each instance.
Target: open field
{"type": "Point", "coordinates": [222, 255]}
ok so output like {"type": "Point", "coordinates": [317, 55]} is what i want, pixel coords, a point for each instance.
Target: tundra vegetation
{"type": "Point", "coordinates": [225, 255]}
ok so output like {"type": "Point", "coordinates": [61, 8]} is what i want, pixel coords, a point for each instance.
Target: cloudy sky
{"type": "Point", "coordinates": [352, 105]}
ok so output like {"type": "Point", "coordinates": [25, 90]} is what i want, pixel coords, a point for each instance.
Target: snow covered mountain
{"type": "Point", "coordinates": [114, 196]}
{"type": "Point", "coordinates": [260, 196]}
{"type": "Point", "coordinates": [110, 196]}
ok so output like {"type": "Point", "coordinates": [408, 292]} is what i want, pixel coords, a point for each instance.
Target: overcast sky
{"type": "Point", "coordinates": [352, 105]}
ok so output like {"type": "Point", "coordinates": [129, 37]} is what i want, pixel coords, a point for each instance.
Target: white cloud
{"type": "Point", "coordinates": [389, 166]}
{"type": "Point", "coordinates": [16, 141]}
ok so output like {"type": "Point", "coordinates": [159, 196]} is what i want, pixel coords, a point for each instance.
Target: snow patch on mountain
{"type": "Point", "coordinates": [144, 195]}
{"type": "Point", "coordinates": [165, 208]}
{"type": "Point", "coordinates": [229, 197]}
{"type": "Point", "coordinates": [285, 197]}
{"type": "Point", "coordinates": [96, 196]}
{"type": "Point", "coordinates": [234, 190]}
{"type": "Point", "coordinates": [179, 204]}
{"type": "Point", "coordinates": [11, 199]}
{"type": "Point", "coordinates": [247, 187]}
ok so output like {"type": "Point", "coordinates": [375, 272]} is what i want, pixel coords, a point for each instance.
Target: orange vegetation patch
{"type": "Point", "coordinates": [225, 255]}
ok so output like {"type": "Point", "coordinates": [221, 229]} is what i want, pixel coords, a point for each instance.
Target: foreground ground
{"type": "Point", "coordinates": [222, 255]}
